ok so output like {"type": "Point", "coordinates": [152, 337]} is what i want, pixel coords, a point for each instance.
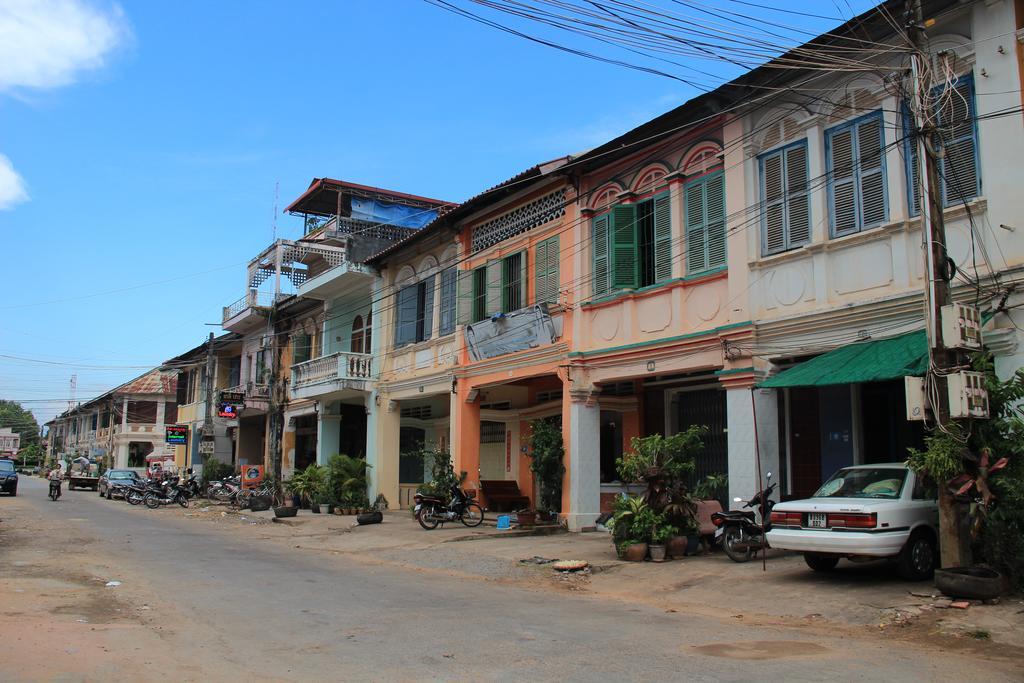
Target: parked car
{"type": "Point", "coordinates": [861, 513]}
{"type": "Point", "coordinates": [8, 477]}
{"type": "Point", "coordinates": [114, 482]}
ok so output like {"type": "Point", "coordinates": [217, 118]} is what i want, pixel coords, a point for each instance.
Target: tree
{"type": "Point", "coordinates": [20, 420]}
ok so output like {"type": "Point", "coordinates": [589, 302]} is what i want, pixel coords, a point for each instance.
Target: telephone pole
{"type": "Point", "coordinates": [206, 447]}
{"type": "Point", "coordinates": [955, 550]}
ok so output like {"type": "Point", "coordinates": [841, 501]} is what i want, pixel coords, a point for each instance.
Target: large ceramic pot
{"type": "Point", "coordinates": [657, 552]}
{"type": "Point", "coordinates": [526, 517]}
{"type": "Point", "coordinates": [677, 546]}
{"type": "Point", "coordinates": [635, 552]}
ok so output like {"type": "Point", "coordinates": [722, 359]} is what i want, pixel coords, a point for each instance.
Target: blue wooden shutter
{"type": "Point", "coordinates": [871, 172]}
{"type": "Point", "coordinates": [601, 272]}
{"type": "Point", "coordinates": [958, 167]}
{"type": "Point", "coordinates": [798, 212]}
{"type": "Point", "coordinates": [662, 237]}
{"type": "Point", "coordinates": [913, 170]}
{"type": "Point", "coordinates": [696, 228]}
{"type": "Point", "coordinates": [714, 208]}
{"type": "Point", "coordinates": [773, 197]}
{"type": "Point", "coordinates": [842, 189]}
{"type": "Point", "coordinates": [624, 262]}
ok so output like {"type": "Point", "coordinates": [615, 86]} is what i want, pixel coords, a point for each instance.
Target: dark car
{"type": "Point", "coordinates": [112, 482]}
{"type": "Point", "coordinates": [8, 477]}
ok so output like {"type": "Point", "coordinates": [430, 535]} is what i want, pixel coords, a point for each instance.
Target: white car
{"type": "Point", "coordinates": [864, 512]}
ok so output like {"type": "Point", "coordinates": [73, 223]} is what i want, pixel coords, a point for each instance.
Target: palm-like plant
{"type": "Point", "coordinates": [346, 480]}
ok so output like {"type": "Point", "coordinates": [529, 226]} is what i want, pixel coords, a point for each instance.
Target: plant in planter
{"type": "Point", "coordinates": [308, 484]}
{"type": "Point", "coordinates": [346, 482]}
{"type": "Point", "coordinates": [711, 486]}
{"type": "Point", "coordinates": [661, 532]}
{"type": "Point", "coordinates": [631, 526]}
{"type": "Point", "coordinates": [547, 456]}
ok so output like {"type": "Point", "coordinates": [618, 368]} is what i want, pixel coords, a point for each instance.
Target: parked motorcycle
{"type": "Point", "coordinates": [739, 530]}
{"type": "Point", "coordinates": [433, 510]}
{"type": "Point", "coordinates": [170, 492]}
{"type": "Point", "coordinates": [191, 486]}
{"type": "Point", "coordinates": [54, 489]}
{"type": "Point", "coordinates": [136, 493]}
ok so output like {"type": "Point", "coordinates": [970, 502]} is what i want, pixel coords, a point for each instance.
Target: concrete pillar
{"type": "Point", "coordinates": [581, 424]}
{"type": "Point", "coordinates": [161, 413]}
{"type": "Point", "coordinates": [383, 424]}
{"type": "Point", "coordinates": [740, 414]}
{"type": "Point", "coordinates": [328, 430]}
{"type": "Point", "coordinates": [466, 448]}
{"type": "Point", "coordinates": [124, 415]}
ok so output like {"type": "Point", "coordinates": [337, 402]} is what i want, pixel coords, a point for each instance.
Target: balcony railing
{"type": "Point", "coordinates": [339, 227]}
{"type": "Point", "coordinates": [253, 299]}
{"type": "Point", "coordinates": [339, 366]}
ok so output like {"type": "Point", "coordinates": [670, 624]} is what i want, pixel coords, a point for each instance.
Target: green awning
{"type": "Point", "coordinates": [869, 361]}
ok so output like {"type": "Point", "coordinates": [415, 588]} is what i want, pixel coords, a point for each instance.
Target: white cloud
{"type": "Point", "coordinates": [12, 187]}
{"type": "Point", "coordinates": [49, 43]}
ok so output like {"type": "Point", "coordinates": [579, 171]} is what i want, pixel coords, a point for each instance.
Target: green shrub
{"type": "Point", "coordinates": [215, 470]}
{"type": "Point", "coordinates": [346, 481]}
{"type": "Point", "coordinates": [547, 456]}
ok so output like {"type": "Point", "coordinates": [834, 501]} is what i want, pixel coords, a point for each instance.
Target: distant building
{"type": "Point", "coordinates": [10, 443]}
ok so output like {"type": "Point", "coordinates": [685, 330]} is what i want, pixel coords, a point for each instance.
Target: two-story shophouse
{"type": "Point", "coordinates": [825, 171]}
{"type": "Point", "coordinates": [121, 427]}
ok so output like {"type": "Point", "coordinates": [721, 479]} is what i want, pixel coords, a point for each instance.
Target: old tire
{"type": "Point", "coordinates": [973, 583]}
{"type": "Point", "coordinates": [821, 563]}
{"type": "Point", "coordinates": [917, 560]}
{"type": "Point", "coordinates": [375, 517]}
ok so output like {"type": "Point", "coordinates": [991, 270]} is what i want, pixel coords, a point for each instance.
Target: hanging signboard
{"type": "Point", "coordinates": [235, 397]}
{"type": "Point", "coordinates": [252, 475]}
{"type": "Point", "coordinates": [228, 410]}
{"type": "Point", "coordinates": [176, 435]}
{"type": "Point", "coordinates": [206, 446]}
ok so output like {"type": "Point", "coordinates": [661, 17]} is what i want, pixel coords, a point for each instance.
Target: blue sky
{"type": "Point", "coordinates": [140, 144]}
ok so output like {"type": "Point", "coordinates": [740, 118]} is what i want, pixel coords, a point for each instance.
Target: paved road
{"type": "Point", "coordinates": [237, 603]}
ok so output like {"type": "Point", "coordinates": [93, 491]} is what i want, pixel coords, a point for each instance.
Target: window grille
{"type": "Point", "coordinates": [526, 217]}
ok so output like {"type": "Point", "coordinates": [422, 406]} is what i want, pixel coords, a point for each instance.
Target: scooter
{"type": "Point", "coordinates": [171, 492]}
{"type": "Point", "coordinates": [739, 531]}
{"type": "Point", "coordinates": [432, 510]}
{"type": "Point", "coordinates": [54, 489]}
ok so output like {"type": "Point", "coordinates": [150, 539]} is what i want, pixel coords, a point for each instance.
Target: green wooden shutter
{"type": "Point", "coordinates": [798, 210]}
{"type": "Point", "coordinates": [464, 297]}
{"type": "Point", "coordinates": [494, 281]}
{"type": "Point", "coordinates": [624, 261]}
{"type": "Point", "coordinates": [696, 228]}
{"type": "Point", "coordinates": [523, 274]}
{"type": "Point", "coordinates": [774, 198]}
{"type": "Point", "coordinates": [662, 237]}
{"type": "Point", "coordinates": [601, 280]}
{"type": "Point", "coordinates": [546, 269]}
{"type": "Point", "coordinates": [714, 206]}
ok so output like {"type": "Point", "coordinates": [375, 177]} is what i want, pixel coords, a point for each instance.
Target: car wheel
{"type": "Point", "coordinates": [14, 491]}
{"type": "Point", "coordinates": [821, 563]}
{"type": "Point", "coordinates": [916, 561]}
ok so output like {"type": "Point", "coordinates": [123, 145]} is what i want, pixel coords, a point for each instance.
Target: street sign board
{"type": "Point", "coordinates": [252, 475]}
{"type": "Point", "coordinates": [206, 446]}
{"type": "Point", "coordinates": [235, 397]}
{"type": "Point", "coordinates": [228, 410]}
{"type": "Point", "coordinates": [176, 435]}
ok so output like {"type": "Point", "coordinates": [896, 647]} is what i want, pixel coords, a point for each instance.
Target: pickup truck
{"type": "Point", "coordinates": [83, 474]}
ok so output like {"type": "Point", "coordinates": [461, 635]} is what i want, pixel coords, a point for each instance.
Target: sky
{"type": "Point", "coordinates": [141, 144]}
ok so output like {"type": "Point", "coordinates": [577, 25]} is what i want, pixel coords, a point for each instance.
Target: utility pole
{"type": "Point", "coordinates": [206, 447]}
{"type": "Point", "coordinates": [953, 544]}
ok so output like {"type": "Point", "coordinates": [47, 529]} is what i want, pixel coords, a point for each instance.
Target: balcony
{"type": "Point", "coordinates": [345, 279]}
{"type": "Point", "coordinates": [333, 376]}
{"type": "Point", "coordinates": [257, 396]}
{"type": "Point", "coordinates": [248, 313]}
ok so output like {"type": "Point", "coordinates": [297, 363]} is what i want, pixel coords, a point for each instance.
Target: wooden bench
{"type": "Point", "coordinates": [501, 492]}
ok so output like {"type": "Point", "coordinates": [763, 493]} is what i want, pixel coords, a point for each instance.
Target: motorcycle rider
{"type": "Point", "coordinates": [56, 476]}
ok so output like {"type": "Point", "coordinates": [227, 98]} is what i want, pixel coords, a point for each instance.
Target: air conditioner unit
{"type": "Point", "coordinates": [961, 327]}
{"type": "Point", "coordinates": [967, 394]}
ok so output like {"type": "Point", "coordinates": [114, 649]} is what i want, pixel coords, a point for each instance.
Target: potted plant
{"type": "Point", "coordinates": [631, 526]}
{"type": "Point", "coordinates": [346, 482]}
{"type": "Point", "coordinates": [661, 532]}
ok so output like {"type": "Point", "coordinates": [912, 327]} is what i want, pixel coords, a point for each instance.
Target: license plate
{"type": "Point", "coordinates": [719, 531]}
{"type": "Point", "coordinates": [816, 520]}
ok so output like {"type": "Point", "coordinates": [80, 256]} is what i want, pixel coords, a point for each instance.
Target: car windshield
{"type": "Point", "coordinates": [867, 482]}
{"type": "Point", "coordinates": [6, 466]}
